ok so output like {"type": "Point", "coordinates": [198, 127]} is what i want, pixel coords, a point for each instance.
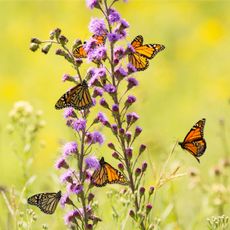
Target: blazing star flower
{"type": "Point", "coordinates": [130, 100]}
{"type": "Point", "coordinates": [103, 103]}
{"type": "Point", "coordinates": [120, 73]}
{"type": "Point", "coordinates": [114, 16]}
{"type": "Point", "coordinates": [90, 45]}
{"type": "Point", "coordinates": [67, 176]}
{"type": "Point", "coordinates": [97, 26]}
{"type": "Point", "coordinates": [92, 162]}
{"type": "Point", "coordinates": [92, 3]}
{"type": "Point", "coordinates": [64, 199]}
{"type": "Point", "coordinates": [97, 92]}
{"type": "Point", "coordinates": [75, 188]}
{"type": "Point", "coordinates": [115, 108]}
{"type": "Point", "coordinates": [113, 37]}
{"type": "Point", "coordinates": [66, 77]}
{"type": "Point", "coordinates": [70, 216]}
{"type": "Point", "coordinates": [61, 163]}
{"type": "Point", "coordinates": [101, 72]}
{"type": "Point", "coordinates": [69, 112]}
{"type": "Point", "coordinates": [132, 82]}
{"type": "Point", "coordinates": [119, 52]}
{"type": "Point", "coordinates": [97, 54]}
{"type": "Point", "coordinates": [131, 68]}
{"type": "Point", "coordinates": [109, 88]}
{"type": "Point", "coordinates": [124, 24]}
{"type": "Point", "coordinates": [98, 138]}
{"type": "Point", "coordinates": [102, 117]}
{"type": "Point", "coordinates": [79, 124]}
{"type": "Point", "coordinates": [70, 147]}
{"type": "Point", "coordinates": [129, 49]}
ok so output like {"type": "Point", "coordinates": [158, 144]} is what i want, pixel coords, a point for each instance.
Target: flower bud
{"type": "Point", "coordinates": [111, 146]}
{"type": "Point", "coordinates": [121, 131]}
{"type": "Point", "coordinates": [142, 149]}
{"type": "Point", "coordinates": [63, 40]}
{"type": "Point", "coordinates": [103, 103]}
{"type": "Point", "coordinates": [89, 226]}
{"type": "Point", "coordinates": [34, 46]}
{"type": "Point", "coordinates": [131, 213]}
{"type": "Point", "coordinates": [129, 152]}
{"type": "Point", "coordinates": [60, 52]}
{"type": "Point", "coordinates": [142, 191]}
{"type": "Point", "coordinates": [138, 131]}
{"type": "Point", "coordinates": [90, 197]}
{"type": "Point", "coordinates": [120, 166]}
{"type": "Point", "coordinates": [128, 136]}
{"type": "Point", "coordinates": [115, 108]}
{"type": "Point", "coordinates": [144, 166]}
{"type": "Point", "coordinates": [151, 190]}
{"type": "Point", "coordinates": [137, 172]}
{"type": "Point", "coordinates": [148, 208]}
{"type": "Point", "coordinates": [115, 155]}
{"type": "Point", "coordinates": [114, 128]}
{"type": "Point", "coordinates": [35, 40]}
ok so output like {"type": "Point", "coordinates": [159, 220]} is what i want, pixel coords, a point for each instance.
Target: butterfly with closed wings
{"type": "Point", "coordinates": [80, 52]}
{"type": "Point", "coordinates": [142, 53]}
{"type": "Point", "coordinates": [47, 202]}
{"type": "Point", "coordinates": [107, 174]}
{"type": "Point", "coordinates": [194, 141]}
{"type": "Point", "coordinates": [77, 97]}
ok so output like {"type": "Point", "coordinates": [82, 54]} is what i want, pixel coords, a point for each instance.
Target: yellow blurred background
{"type": "Point", "coordinates": [189, 80]}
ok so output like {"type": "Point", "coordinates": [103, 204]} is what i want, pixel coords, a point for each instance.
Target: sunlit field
{"type": "Point", "coordinates": [187, 81]}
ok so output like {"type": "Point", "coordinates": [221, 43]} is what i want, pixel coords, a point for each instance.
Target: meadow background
{"type": "Point", "coordinates": [189, 80]}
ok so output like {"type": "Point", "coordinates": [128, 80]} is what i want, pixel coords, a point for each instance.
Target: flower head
{"type": "Point", "coordinates": [114, 16]}
{"type": "Point", "coordinates": [79, 124]}
{"type": "Point", "coordinates": [120, 73]}
{"type": "Point", "coordinates": [71, 215]}
{"type": "Point", "coordinates": [97, 92]}
{"type": "Point", "coordinates": [69, 112]}
{"type": "Point", "coordinates": [109, 88]}
{"type": "Point", "coordinates": [61, 163]}
{"type": "Point", "coordinates": [92, 162]}
{"type": "Point", "coordinates": [132, 82]}
{"type": "Point", "coordinates": [102, 117]}
{"type": "Point", "coordinates": [130, 100]}
{"type": "Point", "coordinates": [97, 26]}
{"type": "Point", "coordinates": [131, 68]}
{"type": "Point", "coordinates": [98, 138]}
{"type": "Point", "coordinates": [75, 188]}
{"type": "Point", "coordinates": [93, 3]}
{"type": "Point", "coordinates": [67, 176]}
{"type": "Point", "coordinates": [64, 200]}
{"type": "Point", "coordinates": [113, 37]}
{"type": "Point", "coordinates": [70, 147]}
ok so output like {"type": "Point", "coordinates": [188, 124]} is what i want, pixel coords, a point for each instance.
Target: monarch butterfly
{"type": "Point", "coordinates": [80, 52]}
{"type": "Point", "coordinates": [107, 174]}
{"type": "Point", "coordinates": [77, 97]}
{"type": "Point", "coordinates": [194, 141]}
{"type": "Point", "coordinates": [47, 202]}
{"type": "Point", "coordinates": [139, 59]}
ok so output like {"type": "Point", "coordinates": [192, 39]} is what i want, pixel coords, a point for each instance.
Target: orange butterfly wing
{"type": "Point", "coordinates": [107, 174]}
{"type": "Point", "coordinates": [79, 52]}
{"type": "Point", "coordinates": [194, 141]}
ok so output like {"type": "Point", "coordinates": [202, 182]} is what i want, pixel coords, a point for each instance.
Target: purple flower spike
{"type": "Point", "coordinates": [114, 16]}
{"type": "Point", "coordinates": [109, 88]}
{"type": "Point", "coordinates": [132, 82]}
{"type": "Point", "coordinates": [92, 162]}
{"type": "Point", "coordinates": [69, 112]}
{"type": "Point", "coordinates": [97, 26]}
{"type": "Point", "coordinates": [79, 125]}
{"type": "Point", "coordinates": [92, 3]}
{"type": "Point", "coordinates": [97, 92]}
{"type": "Point", "coordinates": [113, 37]}
{"type": "Point", "coordinates": [61, 163]}
{"type": "Point", "coordinates": [98, 138]}
{"type": "Point", "coordinates": [70, 147]}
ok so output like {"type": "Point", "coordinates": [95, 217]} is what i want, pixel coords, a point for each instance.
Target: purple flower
{"type": "Point", "coordinates": [89, 138]}
{"type": "Point", "coordinates": [67, 176]}
{"type": "Point", "coordinates": [132, 82]}
{"type": "Point", "coordinates": [137, 172]}
{"type": "Point", "coordinates": [144, 166]}
{"type": "Point", "coordinates": [128, 136]}
{"type": "Point", "coordinates": [101, 72]}
{"type": "Point", "coordinates": [98, 138]}
{"type": "Point", "coordinates": [70, 147]}
{"type": "Point", "coordinates": [61, 163]}
{"type": "Point", "coordinates": [135, 116]}
{"type": "Point", "coordinates": [90, 45]}
{"type": "Point", "coordinates": [70, 216]}
{"type": "Point", "coordinates": [115, 155]}
{"type": "Point", "coordinates": [109, 88]}
{"type": "Point", "coordinates": [75, 188]}
{"type": "Point", "coordinates": [129, 49]}
{"type": "Point", "coordinates": [119, 52]}
{"type": "Point", "coordinates": [66, 77]}
{"type": "Point", "coordinates": [114, 16]}
{"type": "Point", "coordinates": [64, 200]}
{"type": "Point", "coordinates": [121, 166]}
{"type": "Point", "coordinates": [97, 54]}
{"type": "Point", "coordinates": [129, 152]}
{"type": "Point", "coordinates": [103, 103]}
{"type": "Point", "coordinates": [79, 124]}
{"type": "Point", "coordinates": [124, 24]}
{"type": "Point", "coordinates": [130, 100]}
{"type": "Point", "coordinates": [138, 131]}
{"type": "Point", "coordinates": [142, 191]}
{"type": "Point", "coordinates": [115, 108]}
{"type": "Point", "coordinates": [142, 148]}
{"type": "Point", "coordinates": [92, 3]}
{"type": "Point", "coordinates": [69, 112]}
{"type": "Point", "coordinates": [148, 208]}
{"type": "Point", "coordinates": [92, 162]}
{"type": "Point", "coordinates": [97, 92]}
{"type": "Point", "coordinates": [120, 73]}
{"type": "Point", "coordinates": [114, 128]}
{"type": "Point", "coordinates": [131, 68]}
{"type": "Point", "coordinates": [102, 117]}
{"type": "Point", "coordinates": [97, 26]}
{"type": "Point", "coordinates": [69, 122]}
{"type": "Point", "coordinates": [113, 37]}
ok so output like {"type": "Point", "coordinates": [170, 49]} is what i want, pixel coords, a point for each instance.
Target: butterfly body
{"type": "Point", "coordinates": [47, 202]}
{"type": "Point", "coordinates": [77, 97]}
{"type": "Point", "coordinates": [142, 53]}
{"type": "Point", "coordinates": [194, 141]}
{"type": "Point", "coordinates": [107, 174]}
